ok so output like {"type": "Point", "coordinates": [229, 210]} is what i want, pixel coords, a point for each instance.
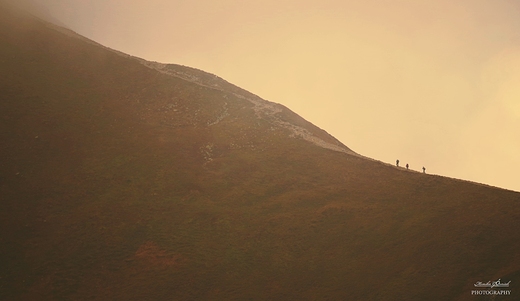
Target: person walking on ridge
{"type": "Point", "coordinates": [406, 165]}
{"type": "Point", "coordinates": [423, 170]}
{"type": "Point", "coordinates": [397, 162]}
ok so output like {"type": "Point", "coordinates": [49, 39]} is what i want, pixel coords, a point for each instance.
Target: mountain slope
{"type": "Point", "coordinates": [122, 179]}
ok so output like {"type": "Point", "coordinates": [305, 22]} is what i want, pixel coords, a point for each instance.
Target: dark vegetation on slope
{"type": "Point", "coordinates": [114, 186]}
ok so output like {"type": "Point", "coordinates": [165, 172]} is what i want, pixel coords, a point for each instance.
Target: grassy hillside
{"type": "Point", "coordinates": [121, 182]}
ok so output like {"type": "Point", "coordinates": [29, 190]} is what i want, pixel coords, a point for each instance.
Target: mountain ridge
{"type": "Point", "coordinates": [305, 129]}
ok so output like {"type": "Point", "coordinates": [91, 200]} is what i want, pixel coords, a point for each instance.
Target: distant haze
{"type": "Point", "coordinates": [431, 83]}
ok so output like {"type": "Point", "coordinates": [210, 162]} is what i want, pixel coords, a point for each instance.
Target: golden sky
{"type": "Point", "coordinates": [431, 83]}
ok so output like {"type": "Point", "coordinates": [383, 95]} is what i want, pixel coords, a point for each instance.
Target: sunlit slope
{"type": "Point", "coordinates": [120, 180]}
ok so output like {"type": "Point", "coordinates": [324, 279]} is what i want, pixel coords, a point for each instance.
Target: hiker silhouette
{"type": "Point", "coordinates": [423, 169]}
{"type": "Point", "coordinates": [406, 165]}
{"type": "Point", "coordinates": [397, 162]}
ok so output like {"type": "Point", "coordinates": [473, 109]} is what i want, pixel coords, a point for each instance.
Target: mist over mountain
{"type": "Point", "coordinates": [124, 179]}
{"type": "Point", "coordinates": [35, 8]}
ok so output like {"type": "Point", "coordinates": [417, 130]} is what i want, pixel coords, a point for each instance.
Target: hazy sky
{"type": "Point", "coordinates": [431, 83]}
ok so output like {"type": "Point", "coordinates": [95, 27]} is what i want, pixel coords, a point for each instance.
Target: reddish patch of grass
{"type": "Point", "coordinates": [154, 255]}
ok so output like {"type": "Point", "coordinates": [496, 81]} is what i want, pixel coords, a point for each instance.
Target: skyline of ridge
{"type": "Point", "coordinates": [432, 85]}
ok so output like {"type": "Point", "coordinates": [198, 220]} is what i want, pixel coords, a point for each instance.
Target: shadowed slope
{"type": "Point", "coordinates": [122, 182]}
